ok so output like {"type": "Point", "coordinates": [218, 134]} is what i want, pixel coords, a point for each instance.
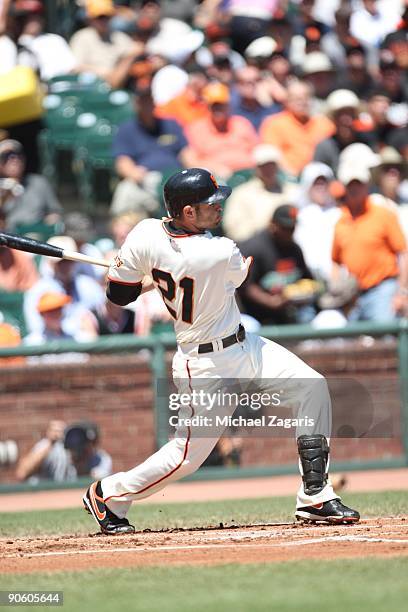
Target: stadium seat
{"type": "Point", "coordinates": [59, 135]}
{"type": "Point", "coordinates": [61, 123]}
{"type": "Point", "coordinates": [76, 118]}
{"type": "Point", "coordinates": [39, 231]}
{"type": "Point", "coordinates": [93, 153]}
{"type": "Point", "coordinates": [73, 82]}
{"type": "Point", "coordinates": [115, 106]}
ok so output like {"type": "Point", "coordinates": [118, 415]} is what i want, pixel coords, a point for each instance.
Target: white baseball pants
{"type": "Point", "coordinates": [256, 358]}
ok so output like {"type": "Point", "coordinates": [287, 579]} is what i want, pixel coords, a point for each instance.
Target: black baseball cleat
{"type": "Point", "coordinates": [332, 511]}
{"type": "Point", "coordinates": [109, 523]}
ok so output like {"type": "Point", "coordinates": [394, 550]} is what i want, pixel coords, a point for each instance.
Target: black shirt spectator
{"type": "Point", "coordinates": [278, 261]}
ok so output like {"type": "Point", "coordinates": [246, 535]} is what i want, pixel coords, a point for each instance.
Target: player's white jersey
{"type": "Point", "coordinates": [196, 274]}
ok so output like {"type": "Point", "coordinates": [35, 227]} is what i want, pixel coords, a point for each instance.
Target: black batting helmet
{"type": "Point", "coordinates": [190, 188]}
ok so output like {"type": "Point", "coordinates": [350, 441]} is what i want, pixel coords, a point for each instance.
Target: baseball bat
{"type": "Point", "coordinates": [21, 243]}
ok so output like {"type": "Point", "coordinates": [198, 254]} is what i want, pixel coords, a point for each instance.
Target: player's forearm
{"type": "Point", "coordinates": [147, 285]}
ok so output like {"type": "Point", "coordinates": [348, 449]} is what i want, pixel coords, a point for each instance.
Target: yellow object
{"type": "Point", "coordinates": [98, 8]}
{"type": "Point", "coordinates": [20, 96]}
{"type": "Point", "coordinates": [304, 288]}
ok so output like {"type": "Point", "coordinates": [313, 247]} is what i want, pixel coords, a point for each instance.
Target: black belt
{"type": "Point", "coordinates": [239, 336]}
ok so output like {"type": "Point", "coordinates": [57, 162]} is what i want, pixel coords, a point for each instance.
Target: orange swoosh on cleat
{"type": "Point", "coordinates": [92, 495]}
{"type": "Point", "coordinates": [318, 506]}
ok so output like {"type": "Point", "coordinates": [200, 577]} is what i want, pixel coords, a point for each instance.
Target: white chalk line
{"type": "Point", "coordinates": [155, 549]}
{"type": "Point", "coordinates": [277, 534]}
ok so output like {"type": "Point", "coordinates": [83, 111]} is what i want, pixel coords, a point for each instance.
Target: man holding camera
{"type": "Point", "coordinates": [25, 198]}
{"type": "Point", "coordinates": [65, 453]}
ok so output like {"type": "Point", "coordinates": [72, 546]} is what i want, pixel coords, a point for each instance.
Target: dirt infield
{"type": "Point", "coordinates": [211, 546]}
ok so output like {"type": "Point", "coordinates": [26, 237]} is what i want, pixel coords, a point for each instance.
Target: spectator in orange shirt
{"type": "Point", "coordinates": [369, 242]}
{"type": "Point", "coordinates": [221, 142]}
{"type": "Point", "coordinates": [295, 131]}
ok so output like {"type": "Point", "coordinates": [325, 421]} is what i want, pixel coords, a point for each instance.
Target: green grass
{"type": "Point", "coordinates": [355, 585]}
{"type": "Point", "coordinates": [359, 585]}
{"type": "Point", "coordinates": [200, 514]}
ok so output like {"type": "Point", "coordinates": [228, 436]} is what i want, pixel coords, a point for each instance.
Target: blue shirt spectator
{"type": "Point", "coordinates": [155, 147]}
{"type": "Point", "coordinates": [144, 149]}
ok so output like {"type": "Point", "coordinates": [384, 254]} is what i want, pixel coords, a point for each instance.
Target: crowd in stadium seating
{"type": "Point", "coordinates": [300, 105]}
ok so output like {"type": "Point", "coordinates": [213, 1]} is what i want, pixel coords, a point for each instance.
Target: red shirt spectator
{"type": "Point", "coordinates": [221, 142]}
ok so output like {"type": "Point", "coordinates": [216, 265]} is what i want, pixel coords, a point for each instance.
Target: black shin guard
{"type": "Point", "coordinates": [314, 456]}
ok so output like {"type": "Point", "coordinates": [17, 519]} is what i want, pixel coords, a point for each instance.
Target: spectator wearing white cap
{"type": "Point", "coordinates": [358, 155]}
{"type": "Point", "coordinates": [317, 218]}
{"type": "Point", "coordinates": [362, 158]}
{"type": "Point", "coordinates": [261, 49]}
{"type": "Point", "coordinates": [389, 175]}
{"type": "Point", "coordinates": [250, 207]}
{"type": "Point", "coordinates": [369, 243]}
{"type": "Point", "coordinates": [318, 70]}
{"type": "Point", "coordinates": [342, 109]}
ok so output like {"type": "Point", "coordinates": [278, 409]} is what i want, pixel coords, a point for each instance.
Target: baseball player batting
{"type": "Point", "coordinates": [197, 275]}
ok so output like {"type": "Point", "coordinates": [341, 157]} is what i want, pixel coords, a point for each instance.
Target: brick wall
{"type": "Point", "coordinates": [114, 391]}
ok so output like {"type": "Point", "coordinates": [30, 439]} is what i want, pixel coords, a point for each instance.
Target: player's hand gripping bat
{"type": "Point", "coordinates": [21, 243]}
